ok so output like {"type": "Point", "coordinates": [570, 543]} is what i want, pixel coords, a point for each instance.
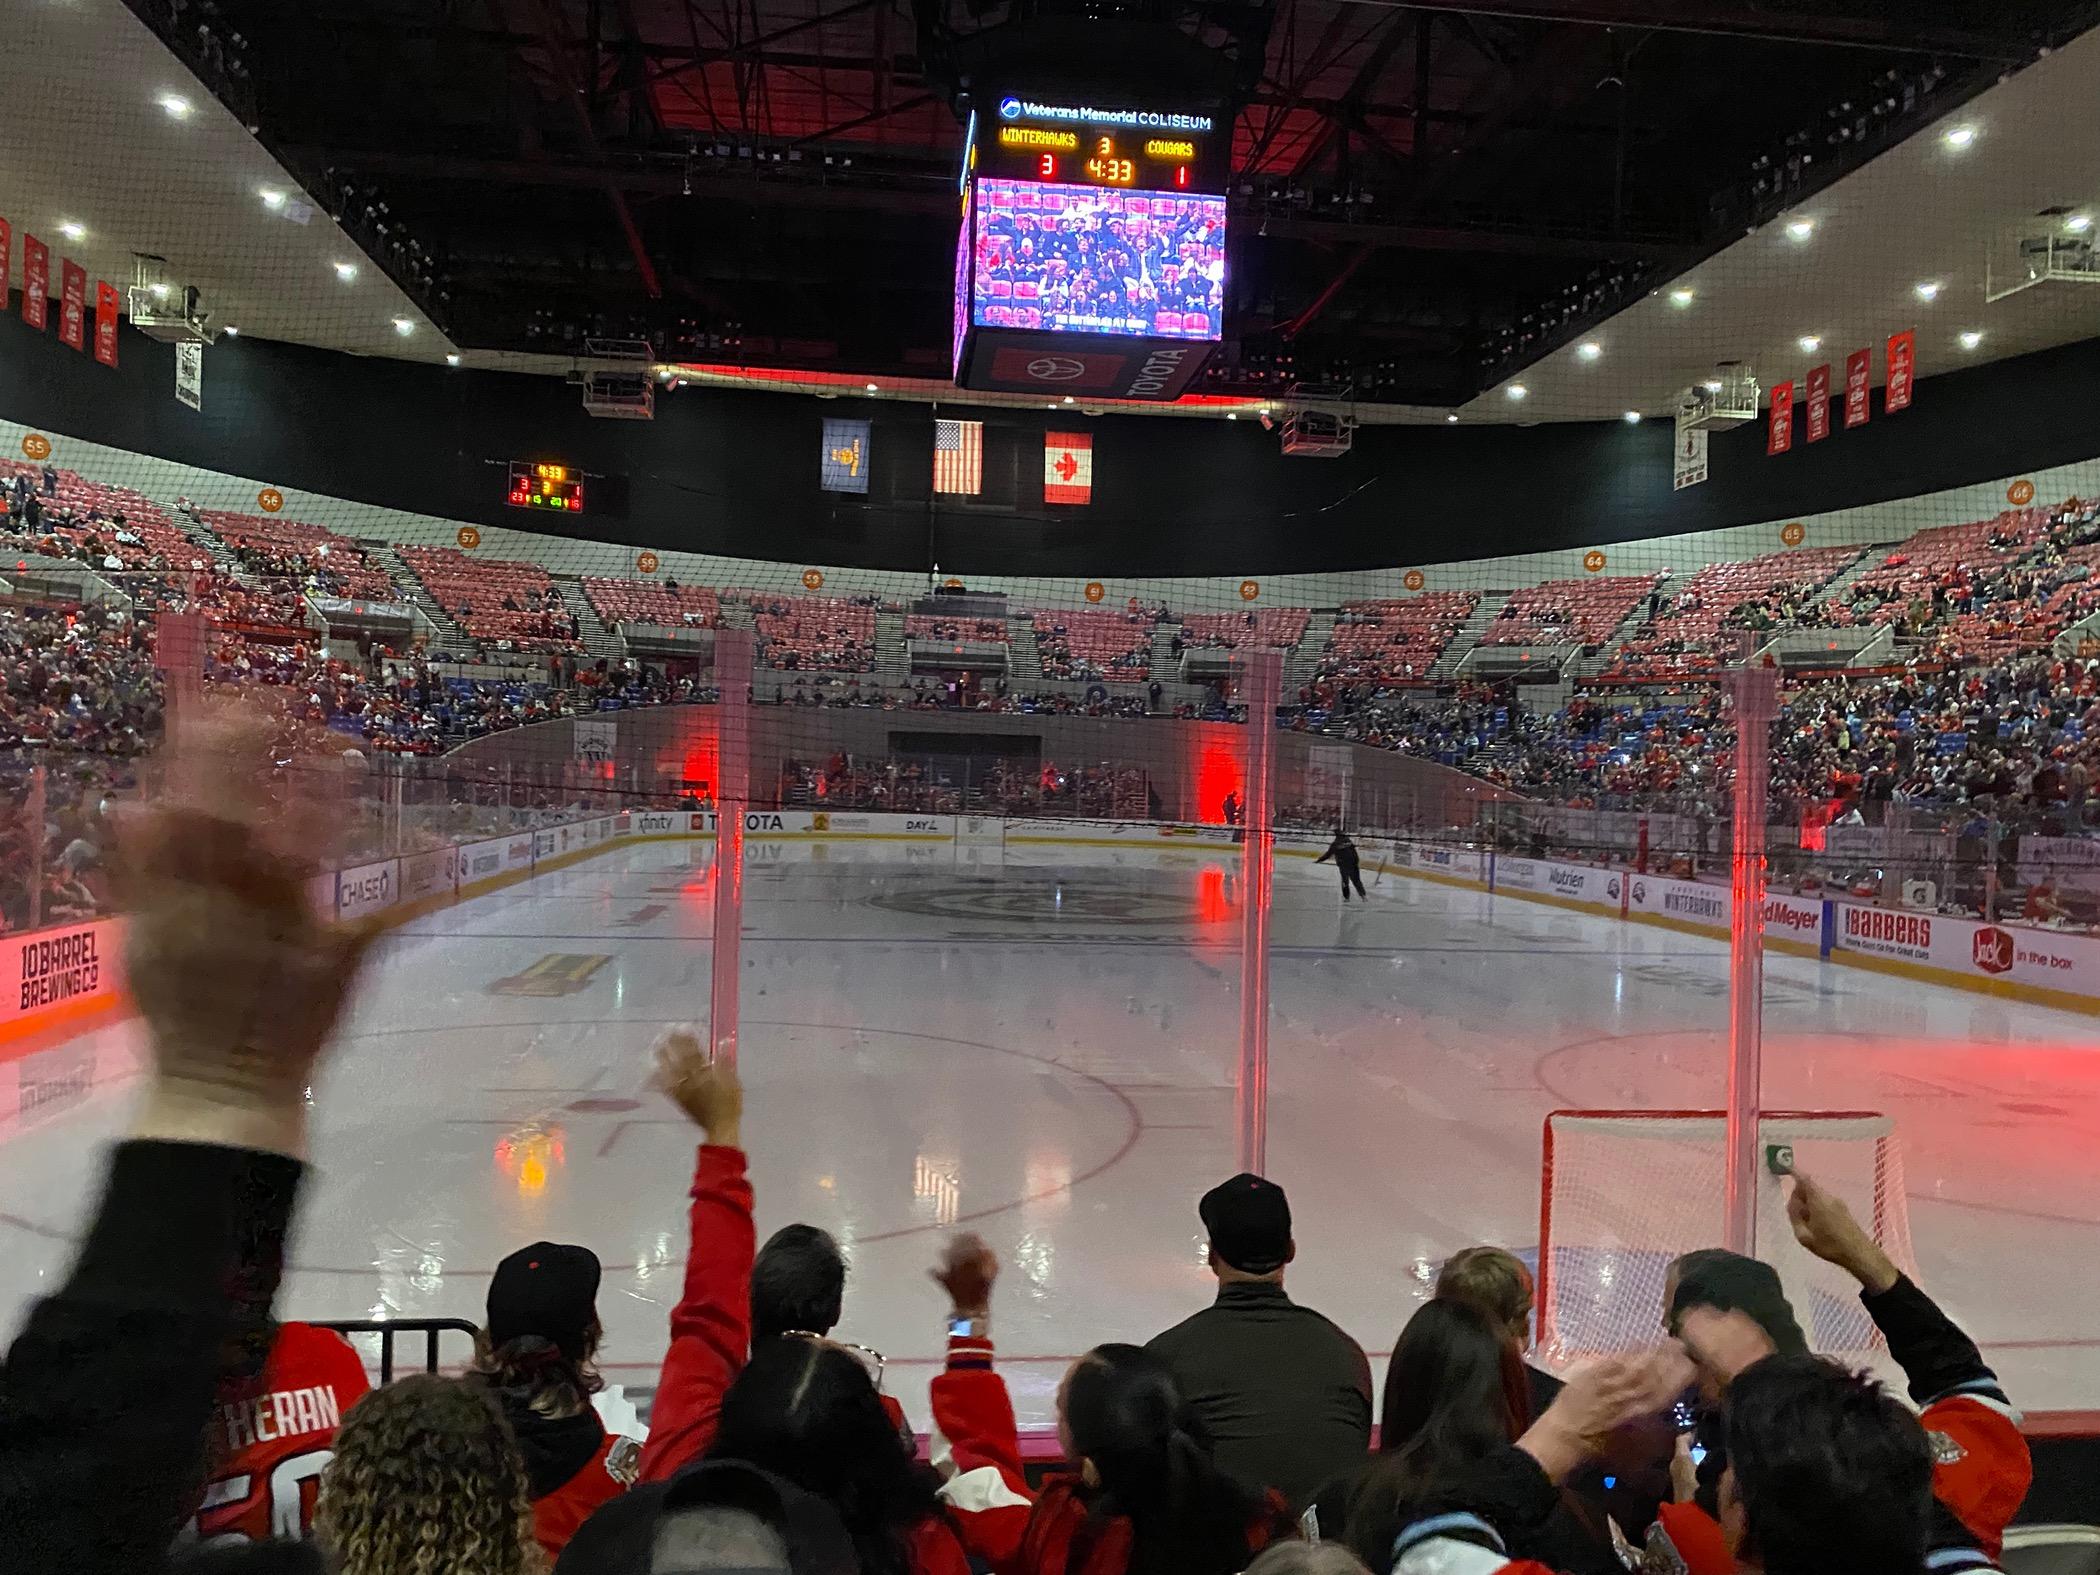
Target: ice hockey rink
{"type": "Point", "coordinates": [1041, 1046]}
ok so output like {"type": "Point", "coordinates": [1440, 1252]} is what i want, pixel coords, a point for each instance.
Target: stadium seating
{"type": "Point", "coordinates": [799, 633]}
{"type": "Point", "coordinates": [653, 602]}
{"type": "Point", "coordinates": [311, 556]}
{"type": "Point", "coordinates": [505, 603]}
{"type": "Point", "coordinates": [1684, 637]}
{"type": "Point", "coordinates": [1094, 643]}
{"type": "Point", "coordinates": [976, 631]}
{"type": "Point", "coordinates": [1393, 638]}
{"type": "Point", "coordinates": [1278, 627]}
{"type": "Point", "coordinates": [1581, 612]}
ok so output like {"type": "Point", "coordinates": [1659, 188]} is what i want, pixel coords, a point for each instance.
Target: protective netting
{"type": "Point", "coordinates": [1521, 706]}
{"type": "Point", "coordinates": [1625, 1193]}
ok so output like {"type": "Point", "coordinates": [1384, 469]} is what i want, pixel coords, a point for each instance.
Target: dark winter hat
{"type": "Point", "coordinates": [1729, 1282]}
{"type": "Point", "coordinates": [547, 1289]}
{"type": "Point", "coordinates": [721, 1517]}
{"type": "Point", "coordinates": [1249, 1220]}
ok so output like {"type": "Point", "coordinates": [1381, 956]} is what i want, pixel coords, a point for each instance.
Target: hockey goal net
{"type": "Point", "coordinates": [1624, 1192]}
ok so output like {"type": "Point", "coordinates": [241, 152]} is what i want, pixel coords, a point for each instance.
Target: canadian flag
{"type": "Point", "coordinates": [1068, 467]}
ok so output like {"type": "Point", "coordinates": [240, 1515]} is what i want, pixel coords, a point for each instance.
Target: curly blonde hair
{"type": "Point", "coordinates": [427, 1480]}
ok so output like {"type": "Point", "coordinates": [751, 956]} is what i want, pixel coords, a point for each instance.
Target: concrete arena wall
{"type": "Point", "coordinates": [1191, 764]}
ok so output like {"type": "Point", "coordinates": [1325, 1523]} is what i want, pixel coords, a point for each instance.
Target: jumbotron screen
{"type": "Point", "coordinates": [1097, 260]}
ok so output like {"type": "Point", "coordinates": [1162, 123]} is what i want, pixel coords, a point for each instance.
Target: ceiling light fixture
{"type": "Point", "coordinates": [1068, 399]}
{"type": "Point", "coordinates": [1632, 418]}
{"type": "Point", "coordinates": [1517, 391]}
{"type": "Point", "coordinates": [1971, 338]}
{"type": "Point", "coordinates": [404, 326]}
{"type": "Point", "coordinates": [175, 104]}
{"type": "Point", "coordinates": [1680, 298]}
{"type": "Point", "coordinates": [1589, 350]}
{"type": "Point", "coordinates": [1959, 137]}
{"type": "Point", "coordinates": [72, 230]}
{"type": "Point", "coordinates": [873, 388]}
{"type": "Point", "coordinates": [346, 271]}
{"type": "Point", "coordinates": [230, 331]}
{"type": "Point", "coordinates": [1800, 229]}
{"type": "Point", "coordinates": [1452, 418]}
{"type": "Point", "coordinates": [1712, 385]}
{"type": "Point", "coordinates": [452, 359]}
{"type": "Point", "coordinates": [2079, 223]}
{"type": "Point", "coordinates": [272, 197]}
{"type": "Point", "coordinates": [1810, 343]}
{"type": "Point", "coordinates": [1926, 289]}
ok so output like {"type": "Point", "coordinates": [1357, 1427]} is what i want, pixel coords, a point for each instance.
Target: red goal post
{"type": "Point", "coordinates": [1623, 1193]}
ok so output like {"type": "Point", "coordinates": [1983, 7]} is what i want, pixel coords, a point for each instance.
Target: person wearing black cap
{"type": "Point", "coordinates": [535, 1356]}
{"type": "Point", "coordinates": [1343, 852]}
{"type": "Point", "coordinates": [1284, 1394]}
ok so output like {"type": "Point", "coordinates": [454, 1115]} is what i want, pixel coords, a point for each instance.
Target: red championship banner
{"type": "Point", "coordinates": [36, 281]}
{"type": "Point", "coordinates": [1902, 369]}
{"type": "Point", "coordinates": [1819, 402]}
{"type": "Point", "coordinates": [7, 259]}
{"type": "Point", "coordinates": [105, 322]}
{"type": "Point", "coordinates": [72, 304]}
{"type": "Point", "coordinates": [1779, 436]}
{"type": "Point", "coordinates": [1859, 369]}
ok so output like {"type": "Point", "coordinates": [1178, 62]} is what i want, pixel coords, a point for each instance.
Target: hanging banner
{"type": "Point", "coordinates": [72, 304]}
{"type": "Point", "coordinates": [189, 373]}
{"type": "Point", "coordinates": [1779, 436]}
{"type": "Point", "coordinates": [1902, 367]}
{"type": "Point", "coordinates": [105, 322]}
{"type": "Point", "coordinates": [1859, 367]}
{"type": "Point", "coordinates": [7, 258]}
{"type": "Point", "coordinates": [1688, 469]}
{"type": "Point", "coordinates": [1068, 467]}
{"type": "Point", "coordinates": [1819, 402]}
{"type": "Point", "coordinates": [36, 281]}
{"type": "Point", "coordinates": [843, 465]}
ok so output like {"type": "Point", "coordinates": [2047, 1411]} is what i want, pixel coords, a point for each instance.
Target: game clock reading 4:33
{"type": "Point", "coordinates": [537, 485]}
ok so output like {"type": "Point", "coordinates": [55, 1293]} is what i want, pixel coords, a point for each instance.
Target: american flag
{"type": "Point", "coordinates": [958, 457]}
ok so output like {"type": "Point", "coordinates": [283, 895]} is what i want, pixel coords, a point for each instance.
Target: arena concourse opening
{"type": "Point", "coordinates": [1050, 789]}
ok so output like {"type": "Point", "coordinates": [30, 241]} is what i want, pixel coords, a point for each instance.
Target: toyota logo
{"type": "Point", "coordinates": [1009, 108]}
{"type": "Point", "coordinates": [1055, 369]}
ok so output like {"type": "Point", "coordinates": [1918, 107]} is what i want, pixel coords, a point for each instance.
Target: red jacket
{"type": "Point", "coordinates": [1003, 1522]}
{"type": "Point", "coordinates": [711, 1340]}
{"type": "Point", "coordinates": [606, 1475]}
{"type": "Point", "coordinates": [711, 1325]}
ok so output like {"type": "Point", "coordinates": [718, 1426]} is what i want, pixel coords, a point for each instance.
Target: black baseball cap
{"type": "Point", "coordinates": [547, 1289]}
{"type": "Point", "coordinates": [1249, 1220]}
{"type": "Point", "coordinates": [625, 1536]}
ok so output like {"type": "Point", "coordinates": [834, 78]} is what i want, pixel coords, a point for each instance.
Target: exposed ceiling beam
{"type": "Point", "coordinates": [1348, 110]}
{"type": "Point", "coordinates": [1826, 29]}
{"type": "Point", "coordinates": [933, 192]}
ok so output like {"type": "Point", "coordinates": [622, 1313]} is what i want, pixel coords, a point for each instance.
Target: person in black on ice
{"type": "Point", "coordinates": [1343, 852]}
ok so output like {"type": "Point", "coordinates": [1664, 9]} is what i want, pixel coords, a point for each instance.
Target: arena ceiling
{"type": "Point", "coordinates": [1429, 201]}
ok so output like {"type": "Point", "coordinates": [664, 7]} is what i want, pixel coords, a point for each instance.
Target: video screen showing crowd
{"type": "Point", "coordinates": [1099, 261]}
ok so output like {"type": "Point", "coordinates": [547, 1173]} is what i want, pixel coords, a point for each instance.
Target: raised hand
{"type": "Point", "coordinates": [967, 1271]}
{"type": "Point", "coordinates": [238, 980]}
{"type": "Point", "coordinates": [1825, 1226]}
{"type": "Point", "coordinates": [1601, 1398]}
{"type": "Point", "coordinates": [709, 1092]}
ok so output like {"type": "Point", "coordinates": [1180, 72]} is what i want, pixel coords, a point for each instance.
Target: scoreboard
{"type": "Point", "coordinates": [1091, 259]}
{"type": "Point", "coordinates": [538, 485]}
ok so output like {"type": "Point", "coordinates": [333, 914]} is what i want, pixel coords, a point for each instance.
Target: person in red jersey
{"type": "Point", "coordinates": [535, 1355]}
{"type": "Point", "coordinates": [272, 1432]}
{"type": "Point", "coordinates": [1144, 1496]}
